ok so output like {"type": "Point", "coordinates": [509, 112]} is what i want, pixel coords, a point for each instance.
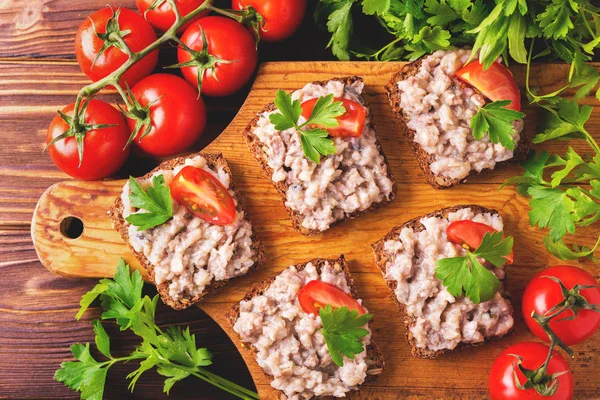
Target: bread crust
{"type": "Point", "coordinates": [256, 148]}
{"type": "Point", "coordinates": [120, 225]}
{"type": "Point", "coordinates": [374, 356]}
{"type": "Point", "coordinates": [425, 159]}
{"type": "Point", "coordinates": [381, 260]}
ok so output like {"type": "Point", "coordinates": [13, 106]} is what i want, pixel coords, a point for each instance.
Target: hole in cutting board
{"type": "Point", "coordinates": [71, 227]}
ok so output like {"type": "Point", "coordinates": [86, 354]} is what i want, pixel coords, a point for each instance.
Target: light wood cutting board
{"type": "Point", "coordinates": [462, 374]}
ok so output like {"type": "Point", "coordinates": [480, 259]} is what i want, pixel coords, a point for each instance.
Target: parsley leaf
{"type": "Point", "coordinates": [156, 199]}
{"type": "Point", "coordinates": [496, 120]}
{"type": "Point", "coordinates": [316, 141]}
{"type": "Point", "coordinates": [173, 352]}
{"type": "Point", "coordinates": [342, 330]}
{"type": "Point", "coordinates": [467, 275]}
{"type": "Point", "coordinates": [551, 208]}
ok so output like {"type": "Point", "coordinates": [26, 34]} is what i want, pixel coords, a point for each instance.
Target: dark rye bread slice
{"type": "Point", "coordinates": [118, 223]}
{"type": "Point", "coordinates": [425, 159]}
{"type": "Point", "coordinates": [381, 260]}
{"type": "Point", "coordinates": [256, 148]}
{"type": "Point", "coordinates": [374, 357]}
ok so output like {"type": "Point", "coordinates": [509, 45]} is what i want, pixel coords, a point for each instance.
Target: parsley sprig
{"type": "Point", "coordinates": [495, 120]}
{"type": "Point", "coordinates": [156, 200]}
{"type": "Point", "coordinates": [172, 352]}
{"type": "Point", "coordinates": [315, 141]}
{"type": "Point", "coordinates": [467, 275]}
{"type": "Point", "coordinates": [342, 330]}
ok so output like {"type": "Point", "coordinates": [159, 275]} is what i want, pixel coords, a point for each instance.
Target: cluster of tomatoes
{"type": "Point", "coordinates": [163, 113]}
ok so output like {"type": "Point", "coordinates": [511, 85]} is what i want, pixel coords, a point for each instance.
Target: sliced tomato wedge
{"type": "Point", "coordinates": [316, 294]}
{"type": "Point", "coordinates": [203, 195]}
{"type": "Point", "coordinates": [351, 123]}
{"type": "Point", "coordinates": [471, 233]}
{"type": "Point", "coordinates": [495, 83]}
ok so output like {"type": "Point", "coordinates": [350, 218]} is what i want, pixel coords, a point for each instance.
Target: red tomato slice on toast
{"type": "Point", "coordinates": [203, 195]}
{"type": "Point", "coordinates": [351, 123]}
{"type": "Point", "coordinates": [316, 294]}
{"type": "Point", "coordinates": [496, 82]}
{"type": "Point", "coordinates": [471, 233]}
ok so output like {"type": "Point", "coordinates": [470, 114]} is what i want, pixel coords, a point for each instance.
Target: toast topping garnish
{"type": "Point", "coordinates": [439, 108]}
{"type": "Point", "coordinates": [418, 254]}
{"type": "Point", "coordinates": [350, 180]}
{"type": "Point", "coordinates": [292, 346]}
{"type": "Point", "coordinates": [186, 252]}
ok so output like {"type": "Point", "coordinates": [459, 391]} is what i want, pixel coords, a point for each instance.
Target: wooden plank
{"type": "Point", "coordinates": [37, 326]}
{"type": "Point", "coordinates": [465, 373]}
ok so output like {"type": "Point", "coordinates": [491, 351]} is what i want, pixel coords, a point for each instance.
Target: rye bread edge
{"type": "Point", "coordinates": [255, 147]}
{"type": "Point", "coordinates": [381, 260]}
{"type": "Point", "coordinates": [119, 224]}
{"type": "Point", "coordinates": [425, 159]}
{"type": "Point", "coordinates": [373, 352]}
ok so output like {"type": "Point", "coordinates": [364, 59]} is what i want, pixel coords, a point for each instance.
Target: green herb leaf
{"type": "Point", "coordinates": [156, 199]}
{"type": "Point", "coordinates": [551, 208]}
{"type": "Point", "coordinates": [467, 275]}
{"type": "Point", "coordinates": [342, 330]}
{"type": "Point", "coordinates": [90, 296]}
{"type": "Point", "coordinates": [315, 142]}
{"type": "Point", "coordinates": [102, 340]}
{"type": "Point", "coordinates": [378, 7]}
{"type": "Point", "coordinates": [561, 250]}
{"type": "Point", "coordinates": [86, 375]}
{"type": "Point", "coordinates": [496, 120]}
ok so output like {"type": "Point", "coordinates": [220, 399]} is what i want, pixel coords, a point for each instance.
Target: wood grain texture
{"type": "Point", "coordinates": [456, 375]}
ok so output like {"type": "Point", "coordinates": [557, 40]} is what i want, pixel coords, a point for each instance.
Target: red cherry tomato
{"type": "Point", "coordinates": [203, 195]}
{"type": "Point", "coordinates": [502, 382]}
{"type": "Point", "coordinates": [163, 17]}
{"type": "Point", "coordinates": [281, 17]}
{"type": "Point", "coordinates": [471, 233]}
{"type": "Point", "coordinates": [227, 40]}
{"type": "Point", "coordinates": [317, 294]}
{"type": "Point", "coordinates": [351, 123]}
{"type": "Point", "coordinates": [88, 44]}
{"type": "Point", "coordinates": [104, 148]}
{"type": "Point", "coordinates": [541, 294]}
{"type": "Point", "coordinates": [496, 82]}
{"type": "Point", "coordinates": [177, 113]}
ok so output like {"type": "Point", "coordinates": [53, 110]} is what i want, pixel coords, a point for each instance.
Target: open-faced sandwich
{"type": "Point", "coordinates": [186, 224]}
{"type": "Point", "coordinates": [309, 331]}
{"type": "Point", "coordinates": [319, 148]}
{"type": "Point", "coordinates": [443, 101]}
{"type": "Point", "coordinates": [445, 271]}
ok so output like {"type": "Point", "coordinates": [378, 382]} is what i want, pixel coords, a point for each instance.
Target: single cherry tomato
{"type": "Point", "coordinates": [496, 82]}
{"type": "Point", "coordinates": [317, 294]}
{"type": "Point", "coordinates": [351, 123]}
{"type": "Point", "coordinates": [502, 376]}
{"type": "Point", "coordinates": [162, 16]}
{"type": "Point", "coordinates": [471, 233]}
{"type": "Point", "coordinates": [541, 294]}
{"type": "Point", "coordinates": [104, 148]}
{"type": "Point", "coordinates": [177, 114]}
{"type": "Point", "coordinates": [231, 58]}
{"type": "Point", "coordinates": [203, 195]}
{"type": "Point", "coordinates": [281, 18]}
{"type": "Point", "coordinates": [92, 35]}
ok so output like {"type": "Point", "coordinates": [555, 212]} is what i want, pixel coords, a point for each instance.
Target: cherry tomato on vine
{"type": "Point", "coordinates": [176, 113]}
{"type": "Point", "coordinates": [97, 46]}
{"type": "Point", "coordinates": [203, 195]}
{"type": "Point", "coordinates": [502, 381]}
{"type": "Point", "coordinates": [105, 149]}
{"type": "Point", "coordinates": [281, 17]}
{"type": "Point", "coordinates": [541, 294]}
{"type": "Point", "coordinates": [228, 61]}
{"type": "Point", "coordinates": [471, 233]}
{"type": "Point", "coordinates": [496, 82]}
{"type": "Point", "coordinates": [316, 294]}
{"type": "Point", "coordinates": [162, 17]}
{"type": "Point", "coordinates": [351, 123]}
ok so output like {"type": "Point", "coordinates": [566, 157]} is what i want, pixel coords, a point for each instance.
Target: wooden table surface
{"type": "Point", "coordinates": [38, 72]}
